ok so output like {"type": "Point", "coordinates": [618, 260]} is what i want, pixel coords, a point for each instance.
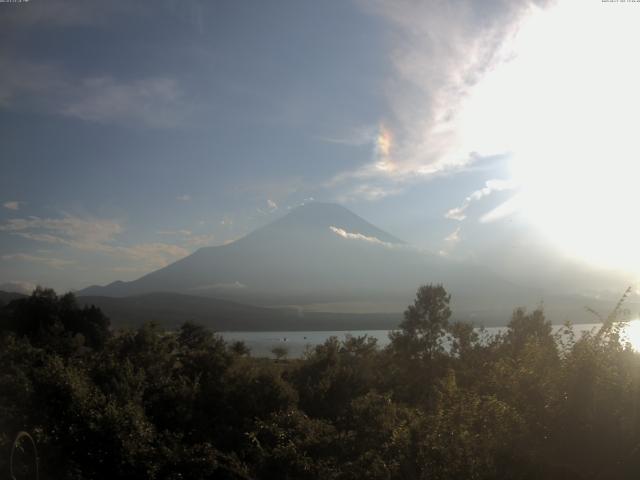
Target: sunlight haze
{"type": "Point", "coordinates": [502, 137]}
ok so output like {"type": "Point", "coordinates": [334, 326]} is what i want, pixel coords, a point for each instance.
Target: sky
{"type": "Point", "coordinates": [497, 132]}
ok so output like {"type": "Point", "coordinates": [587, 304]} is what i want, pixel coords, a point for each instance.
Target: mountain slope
{"type": "Point", "coordinates": [317, 250]}
{"type": "Point", "coordinates": [324, 254]}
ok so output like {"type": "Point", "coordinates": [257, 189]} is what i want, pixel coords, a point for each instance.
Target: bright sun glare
{"type": "Point", "coordinates": [564, 104]}
{"type": "Point", "coordinates": [632, 334]}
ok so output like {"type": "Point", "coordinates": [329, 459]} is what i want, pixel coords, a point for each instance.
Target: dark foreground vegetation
{"type": "Point", "coordinates": [142, 404]}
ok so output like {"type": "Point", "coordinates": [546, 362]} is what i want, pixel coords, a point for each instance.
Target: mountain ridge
{"type": "Point", "coordinates": [314, 227]}
{"type": "Point", "coordinates": [324, 254]}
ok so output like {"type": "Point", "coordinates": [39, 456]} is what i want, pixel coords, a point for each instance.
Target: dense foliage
{"type": "Point", "coordinates": [442, 401]}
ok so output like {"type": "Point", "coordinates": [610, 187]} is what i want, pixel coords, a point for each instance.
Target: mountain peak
{"type": "Point", "coordinates": [321, 216]}
{"type": "Point", "coordinates": [312, 249]}
{"type": "Point", "coordinates": [326, 206]}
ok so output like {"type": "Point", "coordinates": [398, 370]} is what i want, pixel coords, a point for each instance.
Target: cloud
{"type": "Point", "coordinates": [358, 236]}
{"type": "Point", "coordinates": [154, 255]}
{"type": "Point", "coordinates": [92, 235]}
{"type": "Point", "coordinates": [456, 213]}
{"type": "Point", "coordinates": [18, 286]}
{"type": "Point", "coordinates": [503, 210]}
{"type": "Point", "coordinates": [440, 53]}
{"type": "Point", "coordinates": [203, 240]}
{"type": "Point", "coordinates": [149, 101]}
{"type": "Point", "coordinates": [22, 79]}
{"type": "Point", "coordinates": [382, 167]}
{"type": "Point", "coordinates": [85, 234]}
{"type": "Point", "coordinates": [222, 286]}
{"type": "Point", "coordinates": [190, 238]}
{"type": "Point", "coordinates": [459, 213]}
{"type": "Point", "coordinates": [450, 241]}
{"type": "Point", "coordinates": [12, 205]}
{"type": "Point", "coordinates": [183, 198]}
{"type": "Point", "coordinates": [356, 137]}
{"type": "Point", "coordinates": [231, 240]}
{"type": "Point", "coordinates": [185, 233]}
{"type": "Point", "coordinates": [453, 237]}
{"type": "Point", "coordinates": [130, 269]}
{"type": "Point", "coordinates": [369, 191]}
{"type": "Point", "coordinates": [51, 87]}
{"type": "Point", "coordinates": [272, 206]}
{"type": "Point", "coordinates": [154, 102]}
{"type": "Point", "coordinates": [49, 261]}
{"type": "Point", "coordinates": [300, 204]}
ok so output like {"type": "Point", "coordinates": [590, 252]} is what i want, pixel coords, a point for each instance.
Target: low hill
{"type": "Point", "coordinates": [172, 309]}
{"type": "Point", "coordinates": [6, 297]}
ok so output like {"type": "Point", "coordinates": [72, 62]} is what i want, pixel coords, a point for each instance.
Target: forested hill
{"type": "Point", "coordinates": [6, 297]}
{"type": "Point", "coordinates": [141, 404]}
{"type": "Point", "coordinates": [170, 310]}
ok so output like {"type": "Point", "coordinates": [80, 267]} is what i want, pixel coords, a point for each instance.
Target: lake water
{"type": "Point", "coordinates": [296, 343]}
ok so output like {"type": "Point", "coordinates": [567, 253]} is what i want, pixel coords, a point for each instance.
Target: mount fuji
{"type": "Point", "coordinates": [321, 257]}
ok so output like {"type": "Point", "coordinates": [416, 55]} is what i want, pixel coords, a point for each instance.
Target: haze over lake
{"type": "Point", "coordinates": [297, 343]}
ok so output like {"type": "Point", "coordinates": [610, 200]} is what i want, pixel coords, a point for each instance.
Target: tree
{"type": "Point", "coordinates": [425, 324]}
{"type": "Point", "coordinates": [526, 328]}
{"type": "Point", "coordinates": [240, 348]}
{"type": "Point", "coordinates": [280, 352]}
{"type": "Point", "coordinates": [194, 336]}
{"type": "Point", "coordinates": [335, 373]}
{"type": "Point", "coordinates": [56, 322]}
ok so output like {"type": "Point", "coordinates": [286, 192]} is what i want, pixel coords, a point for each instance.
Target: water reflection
{"type": "Point", "coordinates": [296, 343]}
